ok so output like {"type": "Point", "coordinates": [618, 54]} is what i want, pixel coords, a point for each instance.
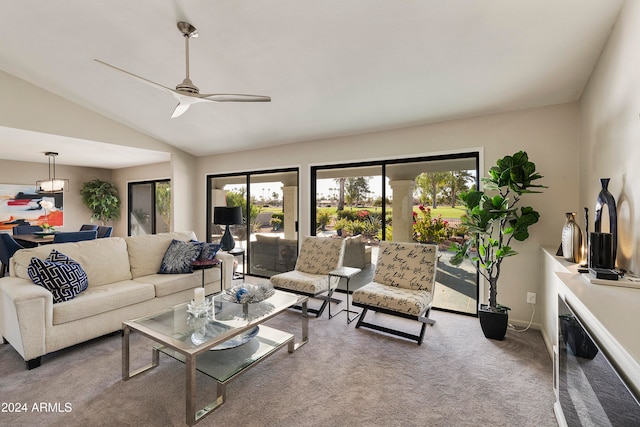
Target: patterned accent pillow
{"type": "Point", "coordinates": [63, 279]}
{"type": "Point", "coordinates": [320, 255]}
{"type": "Point", "coordinates": [179, 256]}
{"type": "Point", "coordinates": [209, 251]}
{"type": "Point", "coordinates": [56, 256]}
{"type": "Point", "coordinates": [406, 265]}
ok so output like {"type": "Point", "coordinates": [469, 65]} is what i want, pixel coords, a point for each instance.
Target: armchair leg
{"type": "Point", "coordinates": [326, 299]}
{"type": "Point", "coordinates": [418, 338]}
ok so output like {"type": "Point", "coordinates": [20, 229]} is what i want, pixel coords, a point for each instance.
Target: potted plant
{"type": "Point", "coordinates": [276, 223]}
{"type": "Point", "coordinates": [494, 221]}
{"type": "Point", "coordinates": [340, 225]}
{"type": "Point", "coordinates": [101, 197]}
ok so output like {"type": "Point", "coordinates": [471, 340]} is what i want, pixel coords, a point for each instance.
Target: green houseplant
{"type": "Point", "coordinates": [494, 220]}
{"type": "Point", "coordinates": [101, 197]}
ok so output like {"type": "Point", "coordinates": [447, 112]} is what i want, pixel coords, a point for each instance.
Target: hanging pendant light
{"type": "Point", "coordinates": [53, 184]}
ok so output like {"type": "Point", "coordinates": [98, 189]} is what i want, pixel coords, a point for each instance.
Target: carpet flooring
{"type": "Point", "coordinates": [342, 377]}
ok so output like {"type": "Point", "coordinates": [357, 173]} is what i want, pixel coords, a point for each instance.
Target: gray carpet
{"type": "Point", "coordinates": [343, 376]}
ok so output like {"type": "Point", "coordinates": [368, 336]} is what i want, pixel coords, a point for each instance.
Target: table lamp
{"type": "Point", "coordinates": [224, 215]}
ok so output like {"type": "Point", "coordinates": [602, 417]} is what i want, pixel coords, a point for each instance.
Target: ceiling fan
{"type": "Point", "coordinates": [186, 92]}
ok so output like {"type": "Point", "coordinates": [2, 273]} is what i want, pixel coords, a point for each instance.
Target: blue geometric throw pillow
{"type": "Point", "coordinates": [179, 256]}
{"type": "Point", "coordinates": [63, 280]}
{"type": "Point", "coordinates": [56, 256]}
{"type": "Point", "coordinates": [209, 251]}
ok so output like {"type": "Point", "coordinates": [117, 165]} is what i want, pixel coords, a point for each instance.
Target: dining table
{"type": "Point", "coordinates": [30, 239]}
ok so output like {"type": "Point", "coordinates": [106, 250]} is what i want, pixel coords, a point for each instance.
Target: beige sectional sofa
{"type": "Point", "coordinates": [123, 284]}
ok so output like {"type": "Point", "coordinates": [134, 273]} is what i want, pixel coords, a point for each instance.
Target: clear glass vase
{"type": "Point", "coordinates": [572, 242]}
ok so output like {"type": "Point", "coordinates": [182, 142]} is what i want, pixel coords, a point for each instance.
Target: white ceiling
{"type": "Point", "coordinates": [332, 67]}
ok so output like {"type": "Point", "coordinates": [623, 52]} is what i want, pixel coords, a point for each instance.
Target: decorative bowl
{"type": "Point", "coordinates": [247, 293]}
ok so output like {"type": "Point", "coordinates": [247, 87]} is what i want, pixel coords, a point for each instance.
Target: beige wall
{"type": "Point", "coordinates": [610, 132]}
{"type": "Point", "coordinates": [75, 213]}
{"type": "Point", "coordinates": [549, 135]}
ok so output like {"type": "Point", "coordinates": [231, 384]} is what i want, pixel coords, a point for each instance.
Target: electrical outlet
{"type": "Point", "coordinates": [531, 297]}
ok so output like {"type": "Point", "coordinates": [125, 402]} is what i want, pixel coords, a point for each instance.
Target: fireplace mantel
{"type": "Point", "coordinates": [611, 313]}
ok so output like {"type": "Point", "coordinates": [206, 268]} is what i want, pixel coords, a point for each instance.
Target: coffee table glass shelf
{"type": "Point", "coordinates": [222, 344]}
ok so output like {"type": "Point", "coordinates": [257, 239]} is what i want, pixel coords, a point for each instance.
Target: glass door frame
{"type": "Point", "coordinates": [383, 163]}
{"type": "Point", "coordinates": [247, 183]}
{"type": "Point", "coordinates": [130, 202]}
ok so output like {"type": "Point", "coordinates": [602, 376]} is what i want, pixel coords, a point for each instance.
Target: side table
{"type": "Point", "coordinates": [236, 252]}
{"type": "Point", "coordinates": [344, 273]}
{"type": "Point", "coordinates": [205, 264]}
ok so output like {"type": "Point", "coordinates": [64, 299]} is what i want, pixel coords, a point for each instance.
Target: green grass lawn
{"type": "Point", "coordinates": [445, 211]}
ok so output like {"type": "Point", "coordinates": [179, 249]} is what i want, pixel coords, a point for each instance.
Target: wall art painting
{"type": "Point", "coordinates": [21, 204]}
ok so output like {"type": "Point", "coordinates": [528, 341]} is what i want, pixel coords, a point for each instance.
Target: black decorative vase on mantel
{"type": "Point", "coordinates": [606, 199]}
{"type": "Point", "coordinates": [493, 323]}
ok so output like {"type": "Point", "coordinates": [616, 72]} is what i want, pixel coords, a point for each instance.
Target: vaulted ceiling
{"type": "Point", "coordinates": [332, 67]}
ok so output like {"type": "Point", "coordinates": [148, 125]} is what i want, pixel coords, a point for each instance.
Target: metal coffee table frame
{"type": "Point", "coordinates": [188, 353]}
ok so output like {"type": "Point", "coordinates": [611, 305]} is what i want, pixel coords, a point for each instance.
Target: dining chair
{"type": "Point", "coordinates": [26, 229]}
{"type": "Point", "coordinates": [88, 227]}
{"type": "Point", "coordinates": [75, 236]}
{"type": "Point", "coordinates": [8, 247]}
{"type": "Point", "coordinates": [104, 231]}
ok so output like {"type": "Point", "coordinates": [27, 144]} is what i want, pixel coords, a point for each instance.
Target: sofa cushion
{"type": "Point", "coordinates": [167, 284]}
{"type": "Point", "coordinates": [103, 260]}
{"type": "Point", "coordinates": [266, 238]}
{"type": "Point", "coordinates": [102, 299]}
{"type": "Point", "coordinates": [179, 256]}
{"type": "Point", "coordinates": [354, 252]}
{"type": "Point", "coordinates": [64, 279]}
{"type": "Point", "coordinates": [146, 252]}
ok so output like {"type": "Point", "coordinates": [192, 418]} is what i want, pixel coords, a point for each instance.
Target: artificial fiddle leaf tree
{"type": "Point", "coordinates": [101, 197]}
{"type": "Point", "coordinates": [494, 219]}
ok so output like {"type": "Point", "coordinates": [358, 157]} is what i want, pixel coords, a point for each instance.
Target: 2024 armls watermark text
{"type": "Point", "coordinates": [42, 407]}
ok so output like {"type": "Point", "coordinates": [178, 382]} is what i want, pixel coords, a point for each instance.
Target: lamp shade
{"type": "Point", "coordinates": [227, 215]}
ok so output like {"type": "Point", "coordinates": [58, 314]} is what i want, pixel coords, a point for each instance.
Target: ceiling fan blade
{"type": "Point", "coordinates": [180, 110]}
{"type": "Point", "coordinates": [142, 79]}
{"type": "Point", "coordinates": [234, 97]}
{"type": "Point", "coordinates": [184, 102]}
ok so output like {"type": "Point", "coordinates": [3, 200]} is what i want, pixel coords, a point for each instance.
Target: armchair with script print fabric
{"type": "Point", "coordinates": [402, 286]}
{"type": "Point", "coordinates": [318, 256]}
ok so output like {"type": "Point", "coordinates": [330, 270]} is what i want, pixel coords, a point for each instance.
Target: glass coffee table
{"type": "Point", "coordinates": [222, 343]}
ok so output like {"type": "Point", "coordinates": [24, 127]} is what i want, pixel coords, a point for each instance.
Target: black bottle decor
{"type": "Point", "coordinates": [606, 198]}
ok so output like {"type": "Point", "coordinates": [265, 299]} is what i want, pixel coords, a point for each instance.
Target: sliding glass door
{"type": "Point", "coordinates": [268, 234]}
{"type": "Point", "coordinates": [149, 207]}
{"type": "Point", "coordinates": [401, 200]}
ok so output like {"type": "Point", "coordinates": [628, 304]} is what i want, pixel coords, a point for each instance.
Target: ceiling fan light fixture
{"type": "Point", "coordinates": [53, 184]}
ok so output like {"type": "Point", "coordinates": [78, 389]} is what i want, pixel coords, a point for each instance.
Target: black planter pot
{"type": "Point", "coordinates": [493, 323]}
